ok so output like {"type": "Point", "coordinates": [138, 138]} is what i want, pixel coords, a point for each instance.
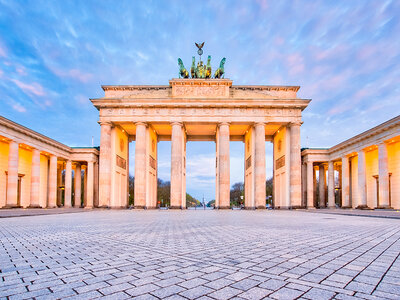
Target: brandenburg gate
{"type": "Point", "coordinates": [193, 109]}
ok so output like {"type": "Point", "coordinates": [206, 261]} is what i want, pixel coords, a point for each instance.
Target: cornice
{"type": "Point", "coordinates": [33, 134]}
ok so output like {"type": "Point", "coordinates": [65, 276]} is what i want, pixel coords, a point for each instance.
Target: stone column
{"type": "Point", "coordinates": [78, 185]}
{"type": "Point", "coordinates": [35, 179]}
{"type": "Point", "coordinates": [96, 185]}
{"type": "Point", "coordinates": [84, 187]}
{"type": "Point", "coordinates": [345, 182]}
{"type": "Point", "coordinates": [224, 166]}
{"type": "Point", "coordinates": [362, 191]}
{"type": "Point", "coordinates": [383, 176]}
{"type": "Point", "coordinates": [105, 165]}
{"type": "Point", "coordinates": [68, 184]}
{"type": "Point", "coordinates": [12, 175]}
{"type": "Point", "coordinates": [260, 177]}
{"type": "Point", "coordinates": [321, 185]}
{"type": "Point", "coordinates": [176, 165]}
{"type": "Point", "coordinates": [310, 185]}
{"type": "Point", "coordinates": [52, 189]}
{"type": "Point", "coordinates": [295, 165]}
{"type": "Point", "coordinates": [140, 166]}
{"type": "Point", "coordinates": [59, 183]}
{"type": "Point", "coordinates": [89, 184]}
{"type": "Point", "coordinates": [331, 185]}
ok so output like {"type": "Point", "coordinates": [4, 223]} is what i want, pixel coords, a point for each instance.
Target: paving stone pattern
{"type": "Point", "coordinates": [199, 255]}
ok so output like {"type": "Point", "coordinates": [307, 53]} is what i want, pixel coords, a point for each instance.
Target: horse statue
{"type": "Point", "coordinates": [208, 70]}
{"type": "Point", "coordinates": [220, 71]}
{"type": "Point", "coordinates": [182, 70]}
{"type": "Point", "coordinates": [193, 68]}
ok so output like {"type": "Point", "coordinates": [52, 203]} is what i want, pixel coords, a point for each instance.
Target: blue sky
{"type": "Point", "coordinates": [345, 55]}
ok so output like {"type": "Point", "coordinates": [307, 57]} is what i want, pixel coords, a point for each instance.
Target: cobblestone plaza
{"type": "Point", "coordinates": [199, 254]}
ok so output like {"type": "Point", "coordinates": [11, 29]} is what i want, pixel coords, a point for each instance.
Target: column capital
{"type": "Point", "coordinates": [105, 123]}
{"type": "Point", "coordinates": [295, 123]}
{"type": "Point", "coordinates": [176, 123]}
{"type": "Point", "coordinates": [141, 123]}
{"type": "Point", "coordinates": [223, 123]}
{"type": "Point", "coordinates": [310, 163]}
{"type": "Point", "coordinates": [259, 124]}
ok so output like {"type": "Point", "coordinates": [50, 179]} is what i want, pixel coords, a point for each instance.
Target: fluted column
{"type": "Point", "coordinates": [176, 165]}
{"type": "Point", "coordinates": [105, 165]}
{"type": "Point", "coordinates": [68, 184]}
{"type": "Point", "coordinates": [59, 183]}
{"type": "Point", "coordinates": [52, 188]}
{"type": "Point", "coordinates": [260, 177]}
{"type": "Point", "coordinates": [321, 185]}
{"type": "Point", "coordinates": [345, 182]}
{"type": "Point", "coordinates": [331, 185]}
{"type": "Point", "coordinates": [383, 176]}
{"type": "Point", "coordinates": [310, 184]}
{"type": "Point", "coordinates": [35, 179]}
{"type": "Point", "coordinates": [295, 165]}
{"type": "Point", "coordinates": [140, 166]}
{"type": "Point", "coordinates": [224, 166]}
{"type": "Point", "coordinates": [12, 175]}
{"type": "Point", "coordinates": [78, 185]}
{"type": "Point", "coordinates": [362, 191]}
{"type": "Point", "coordinates": [89, 184]}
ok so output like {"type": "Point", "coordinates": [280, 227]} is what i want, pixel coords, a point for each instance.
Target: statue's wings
{"type": "Point", "coordinates": [200, 46]}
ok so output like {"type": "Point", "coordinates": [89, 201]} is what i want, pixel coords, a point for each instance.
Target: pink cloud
{"type": "Point", "coordinates": [73, 73]}
{"type": "Point", "coordinates": [32, 89]}
{"type": "Point", "coordinates": [18, 107]}
{"type": "Point", "coordinates": [295, 63]}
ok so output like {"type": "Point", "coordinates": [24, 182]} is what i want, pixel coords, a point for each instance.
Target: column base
{"type": "Point", "coordinates": [224, 207]}
{"type": "Point", "coordinates": [34, 206]}
{"type": "Point", "coordinates": [297, 207]}
{"type": "Point", "coordinates": [139, 207]}
{"type": "Point", "coordinates": [249, 208]}
{"type": "Point", "coordinates": [12, 206]}
{"type": "Point", "coordinates": [88, 207]}
{"type": "Point", "coordinates": [311, 207]}
{"type": "Point", "coordinates": [384, 207]}
{"type": "Point", "coordinates": [331, 207]}
{"type": "Point", "coordinates": [175, 207]}
{"type": "Point", "coordinates": [365, 207]}
{"type": "Point", "coordinates": [104, 207]}
{"type": "Point", "coordinates": [151, 207]}
{"type": "Point", "coordinates": [51, 207]}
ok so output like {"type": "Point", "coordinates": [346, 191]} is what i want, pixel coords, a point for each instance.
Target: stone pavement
{"type": "Point", "coordinates": [23, 212]}
{"type": "Point", "coordinates": [199, 254]}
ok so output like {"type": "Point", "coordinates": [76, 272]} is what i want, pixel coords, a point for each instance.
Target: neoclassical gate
{"type": "Point", "coordinates": [199, 110]}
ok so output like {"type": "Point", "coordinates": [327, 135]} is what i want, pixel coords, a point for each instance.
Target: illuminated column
{"type": "Point", "coordinates": [362, 192]}
{"type": "Point", "coordinates": [321, 185]}
{"type": "Point", "coordinates": [59, 183]}
{"type": "Point", "coordinates": [260, 177]}
{"type": "Point", "coordinates": [140, 165]}
{"type": "Point", "coordinates": [68, 184]}
{"type": "Point", "coordinates": [78, 184]}
{"type": "Point", "coordinates": [345, 182]}
{"type": "Point", "coordinates": [105, 165]}
{"type": "Point", "coordinates": [331, 185]}
{"type": "Point", "coordinates": [96, 185]}
{"type": "Point", "coordinates": [12, 176]}
{"type": "Point", "coordinates": [295, 165]}
{"type": "Point", "coordinates": [383, 176]}
{"type": "Point", "coordinates": [176, 165]}
{"type": "Point", "coordinates": [84, 186]}
{"type": "Point", "coordinates": [310, 184]}
{"type": "Point", "coordinates": [35, 179]}
{"type": "Point", "coordinates": [89, 184]}
{"type": "Point", "coordinates": [224, 167]}
{"type": "Point", "coordinates": [52, 189]}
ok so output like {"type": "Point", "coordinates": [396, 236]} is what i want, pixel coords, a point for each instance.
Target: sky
{"type": "Point", "coordinates": [55, 55]}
